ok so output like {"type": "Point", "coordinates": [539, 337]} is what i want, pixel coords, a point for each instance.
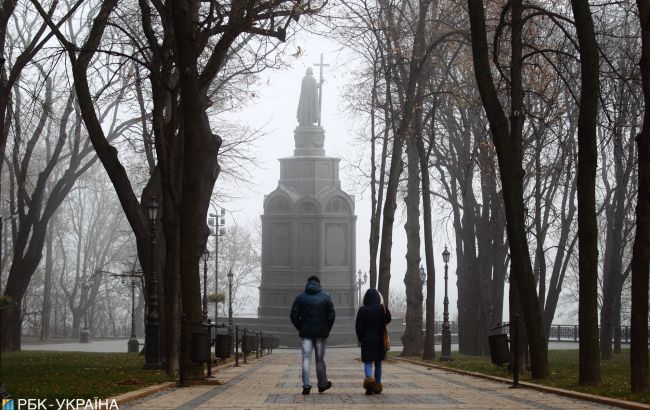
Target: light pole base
{"type": "Point", "coordinates": [83, 336]}
{"type": "Point", "coordinates": [133, 345]}
{"type": "Point", "coordinates": [445, 354]}
{"type": "Point", "coordinates": [151, 347]}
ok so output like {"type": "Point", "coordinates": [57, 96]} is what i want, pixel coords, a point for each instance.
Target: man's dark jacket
{"type": "Point", "coordinates": [312, 312]}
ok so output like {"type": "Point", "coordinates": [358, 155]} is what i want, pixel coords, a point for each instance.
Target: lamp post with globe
{"type": "Point", "coordinates": [205, 256]}
{"type": "Point", "coordinates": [230, 328]}
{"type": "Point", "coordinates": [360, 282]}
{"type": "Point", "coordinates": [83, 335]}
{"type": "Point", "coordinates": [131, 278]}
{"type": "Point", "coordinates": [217, 225]}
{"type": "Point", "coordinates": [152, 332]}
{"type": "Point", "coordinates": [445, 354]}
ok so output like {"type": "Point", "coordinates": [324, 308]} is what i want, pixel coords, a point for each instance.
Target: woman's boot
{"type": "Point", "coordinates": [369, 385]}
{"type": "Point", "coordinates": [378, 388]}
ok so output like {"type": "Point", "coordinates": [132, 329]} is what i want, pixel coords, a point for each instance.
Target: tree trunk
{"type": "Point", "coordinates": [20, 273]}
{"type": "Point", "coordinates": [587, 227]}
{"type": "Point", "coordinates": [641, 247]}
{"type": "Point", "coordinates": [509, 153]}
{"type": "Point", "coordinates": [607, 309]}
{"type": "Point", "coordinates": [429, 352]}
{"type": "Point", "coordinates": [617, 326]}
{"type": "Point", "coordinates": [498, 247]}
{"type": "Point", "coordinates": [613, 277]}
{"type": "Point", "coordinates": [377, 188]}
{"type": "Point", "coordinates": [47, 285]}
{"type": "Point", "coordinates": [200, 167]}
{"type": "Point", "coordinates": [412, 338]}
{"type": "Point", "coordinates": [564, 249]}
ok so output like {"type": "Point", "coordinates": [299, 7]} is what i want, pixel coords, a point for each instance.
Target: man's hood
{"type": "Point", "coordinates": [312, 287]}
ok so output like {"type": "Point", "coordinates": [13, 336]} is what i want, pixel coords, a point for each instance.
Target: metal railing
{"type": "Point", "coordinates": [570, 333]}
{"type": "Point", "coordinates": [199, 337]}
{"type": "Point", "coordinates": [253, 340]}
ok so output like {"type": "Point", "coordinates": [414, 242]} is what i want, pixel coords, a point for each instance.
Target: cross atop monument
{"type": "Point", "coordinates": [320, 86]}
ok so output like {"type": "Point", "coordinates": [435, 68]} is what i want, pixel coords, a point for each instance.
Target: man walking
{"type": "Point", "coordinates": [313, 315]}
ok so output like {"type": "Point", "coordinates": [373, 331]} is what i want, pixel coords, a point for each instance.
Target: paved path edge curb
{"type": "Point", "coordinates": [555, 390]}
{"type": "Point", "coordinates": [124, 398]}
{"type": "Point", "coordinates": [140, 393]}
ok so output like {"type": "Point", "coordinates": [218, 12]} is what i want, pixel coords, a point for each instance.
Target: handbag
{"type": "Point", "coordinates": [386, 338]}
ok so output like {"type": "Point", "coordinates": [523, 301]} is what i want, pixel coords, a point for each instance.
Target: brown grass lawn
{"type": "Point", "coordinates": [564, 373]}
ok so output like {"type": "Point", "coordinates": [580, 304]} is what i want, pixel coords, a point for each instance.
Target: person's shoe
{"type": "Point", "coordinates": [369, 385]}
{"type": "Point", "coordinates": [306, 390]}
{"type": "Point", "coordinates": [325, 387]}
{"type": "Point", "coordinates": [378, 388]}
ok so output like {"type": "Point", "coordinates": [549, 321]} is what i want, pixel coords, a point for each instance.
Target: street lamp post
{"type": "Point", "coordinates": [205, 256]}
{"type": "Point", "coordinates": [445, 354]}
{"type": "Point", "coordinates": [83, 335]}
{"type": "Point", "coordinates": [360, 282]}
{"type": "Point", "coordinates": [152, 332]}
{"type": "Point", "coordinates": [230, 275]}
{"type": "Point", "coordinates": [133, 344]}
{"type": "Point", "coordinates": [218, 222]}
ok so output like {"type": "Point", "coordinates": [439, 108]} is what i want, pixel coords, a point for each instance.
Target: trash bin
{"type": "Point", "coordinates": [200, 345]}
{"type": "Point", "coordinates": [498, 341]}
{"type": "Point", "coordinates": [249, 343]}
{"type": "Point", "coordinates": [266, 342]}
{"type": "Point", "coordinates": [223, 346]}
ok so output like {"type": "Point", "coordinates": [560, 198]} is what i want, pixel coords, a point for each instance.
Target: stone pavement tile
{"type": "Point", "coordinates": [490, 394]}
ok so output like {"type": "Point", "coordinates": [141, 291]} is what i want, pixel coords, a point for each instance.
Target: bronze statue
{"type": "Point", "coordinates": [308, 106]}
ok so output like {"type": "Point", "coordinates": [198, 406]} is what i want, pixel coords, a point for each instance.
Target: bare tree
{"type": "Point", "coordinates": [35, 201]}
{"type": "Point", "coordinates": [507, 137]}
{"type": "Point", "coordinates": [240, 254]}
{"type": "Point", "coordinates": [641, 252]}
{"type": "Point", "coordinates": [587, 228]}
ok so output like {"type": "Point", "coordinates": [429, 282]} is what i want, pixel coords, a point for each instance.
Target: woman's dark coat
{"type": "Point", "coordinates": [370, 324]}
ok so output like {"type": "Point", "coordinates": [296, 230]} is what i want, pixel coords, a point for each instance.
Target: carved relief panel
{"type": "Point", "coordinates": [306, 244]}
{"type": "Point", "coordinates": [336, 244]}
{"type": "Point", "coordinates": [280, 244]}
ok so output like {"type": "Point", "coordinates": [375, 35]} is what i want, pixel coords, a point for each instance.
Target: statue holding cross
{"type": "Point", "coordinates": [311, 97]}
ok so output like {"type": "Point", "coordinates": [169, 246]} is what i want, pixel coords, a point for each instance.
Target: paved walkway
{"type": "Point", "coordinates": [274, 382]}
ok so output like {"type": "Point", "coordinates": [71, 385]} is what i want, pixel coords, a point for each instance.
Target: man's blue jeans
{"type": "Point", "coordinates": [317, 344]}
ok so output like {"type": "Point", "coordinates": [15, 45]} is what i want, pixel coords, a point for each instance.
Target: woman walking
{"type": "Point", "coordinates": [371, 321]}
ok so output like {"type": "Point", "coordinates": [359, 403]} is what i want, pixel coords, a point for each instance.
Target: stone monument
{"type": "Point", "coordinates": [308, 228]}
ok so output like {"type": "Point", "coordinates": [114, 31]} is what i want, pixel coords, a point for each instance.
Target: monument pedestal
{"type": "Point", "coordinates": [308, 228]}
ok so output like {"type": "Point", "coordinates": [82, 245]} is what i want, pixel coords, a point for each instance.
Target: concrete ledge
{"type": "Point", "coordinates": [539, 387]}
{"type": "Point", "coordinates": [144, 392]}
